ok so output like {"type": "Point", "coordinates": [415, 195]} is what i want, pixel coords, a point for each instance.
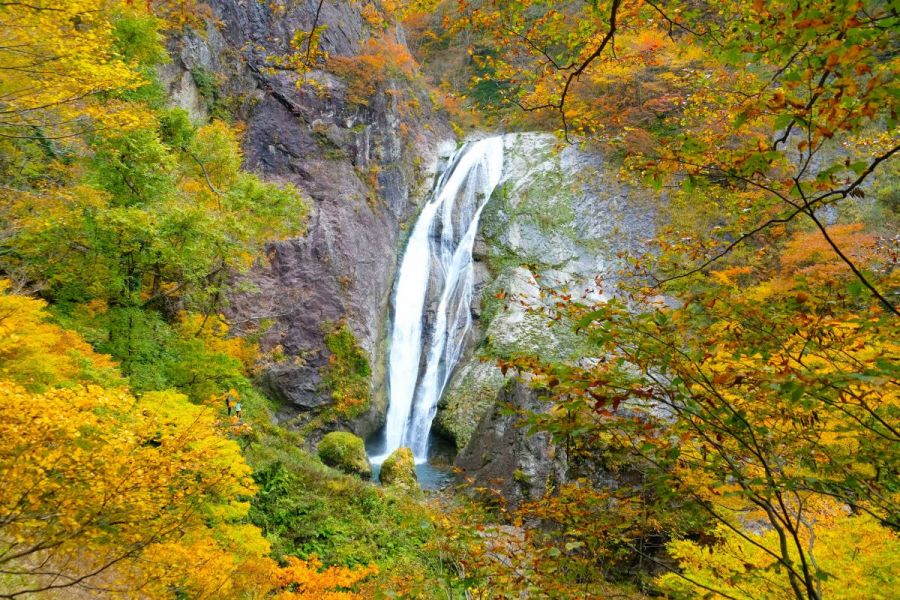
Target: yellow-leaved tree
{"type": "Point", "coordinates": [106, 491]}
{"type": "Point", "coordinates": [69, 47]}
{"type": "Point", "coordinates": [856, 556]}
{"type": "Point", "coordinates": [37, 354]}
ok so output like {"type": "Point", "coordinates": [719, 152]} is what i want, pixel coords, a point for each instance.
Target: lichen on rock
{"type": "Point", "coordinates": [472, 392]}
{"type": "Point", "coordinates": [399, 469]}
{"type": "Point", "coordinates": [346, 452]}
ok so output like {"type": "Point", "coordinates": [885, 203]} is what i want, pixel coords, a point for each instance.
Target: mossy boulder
{"type": "Point", "coordinates": [399, 469]}
{"type": "Point", "coordinates": [346, 452]}
{"type": "Point", "coordinates": [472, 392]}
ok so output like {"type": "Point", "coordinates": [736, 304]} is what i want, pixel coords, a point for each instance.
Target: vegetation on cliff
{"type": "Point", "coordinates": [742, 386]}
{"type": "Point", "coordinates": [348, 373]}
{"type": "Point", "coordinates": [123, 227]}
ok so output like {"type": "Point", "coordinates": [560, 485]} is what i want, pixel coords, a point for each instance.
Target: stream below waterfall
{"type": "Point", "coordinates": [432, 299]}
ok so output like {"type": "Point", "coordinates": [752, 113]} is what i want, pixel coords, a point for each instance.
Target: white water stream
{"type": "Point", "coordinates": [437, 265]}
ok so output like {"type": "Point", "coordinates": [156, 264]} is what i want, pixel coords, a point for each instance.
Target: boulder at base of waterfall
{"type": "Point", "coordinates": [346, 452]}
{"type": "Point", "coordinates": [399, 469]}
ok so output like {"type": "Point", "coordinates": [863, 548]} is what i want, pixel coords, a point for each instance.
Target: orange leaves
{"type": "Point", "coordinates": [647, 41]}
{"type": "Point", "coordinates": [306, 580]}
{"type": "Point", "coordinates": [810, 254]}
{"type": "Point", "coordinates": [382, 58]}
{"type": "Point", "coordinates": [373, 16]}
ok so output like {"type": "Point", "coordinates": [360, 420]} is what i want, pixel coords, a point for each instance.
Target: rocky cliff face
{"type": "Point", "coordinates": [364, 163]}
{"type": "Point", "coordinates": [502, 457]}
{"type": "Point", "coordinates": [560, 220]}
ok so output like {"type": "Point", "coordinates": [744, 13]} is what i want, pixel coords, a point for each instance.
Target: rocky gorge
{"type": "Point", "coordinates": [449, 299]}
{"type": "Point", "coordinates": [558, 219]}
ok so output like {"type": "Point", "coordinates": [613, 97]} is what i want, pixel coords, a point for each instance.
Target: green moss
{"type": "Point", "coordinates": [346, 452]}
{"type": "Point", "coordinates": [304, 508]}
{"type": "Point", "coordinates": [473, 392]}
{"type": "Point", "coordinates": [348, 374]}
{"type": "Point", "coordinates": [399, 469]}
{"type": "Point", "coordinates": [521, 477]}
{"type": "Point", "coordinates": [208, 86]}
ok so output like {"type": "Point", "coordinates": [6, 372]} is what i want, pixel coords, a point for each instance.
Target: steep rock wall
{"type": "Point", "coordinates": [363, 164]}
{"type": "Point", "coordinates": [561, 219]}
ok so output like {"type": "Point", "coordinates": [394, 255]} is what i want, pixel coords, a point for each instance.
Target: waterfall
{"type": "Point", "coordinates": [437, 264]}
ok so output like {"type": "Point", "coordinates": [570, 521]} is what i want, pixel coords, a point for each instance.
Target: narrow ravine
{"type": "Point", "coordinates": [436, 270]}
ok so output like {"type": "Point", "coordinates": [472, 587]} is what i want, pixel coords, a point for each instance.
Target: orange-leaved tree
{"type": "Point", "coordinates": [307, 580]}
{"type": "Point", "coordinates": [794, 102]}
{"type": "Point", "coordinates": [767, 384]}
{"type": "Point", "coordinates": [763, 406]}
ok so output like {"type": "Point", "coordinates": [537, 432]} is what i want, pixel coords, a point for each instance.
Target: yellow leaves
{"type": "Point", "coordinates": [89, 457]}
{"type": "Point", "coordinates": [214, 332]}
{"type": "Point", "coordinates": [373, 16]}
{"type": "Point", "coordinates": [111, 479]}
{"type": "Point", "coordinates": [38, 354]}
{"type": "Point", "coordinates": [69, 49]}
{"type": "Point", "coordinates": [861, 558]}
{"type": "Point", "coordinates": [180, 13]}
{"type": "Point", "coordinates": [726, 276]}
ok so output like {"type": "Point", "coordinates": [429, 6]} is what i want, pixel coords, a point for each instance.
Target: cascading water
{"type": "Point", "coordinates": [437, 264]}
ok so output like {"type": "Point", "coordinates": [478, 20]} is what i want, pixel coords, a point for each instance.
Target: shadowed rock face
{"type": "Point", "coordinates": [502, 457]}
{"type": "Point", "coordinates": [356, 163]}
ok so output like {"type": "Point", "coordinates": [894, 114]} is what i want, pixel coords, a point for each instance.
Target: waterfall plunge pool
{"type": "Point", "coordinates": [433, 472]}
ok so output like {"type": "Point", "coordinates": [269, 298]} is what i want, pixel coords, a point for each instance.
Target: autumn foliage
{"type": "Point", "coordinates": [306, 580]}
{"type": "Point", "coordinates": [731, 429]}
{"type": "Point", "coordinates": [130, 221]}
{"type": "Point", "coordinates": [742, 382]}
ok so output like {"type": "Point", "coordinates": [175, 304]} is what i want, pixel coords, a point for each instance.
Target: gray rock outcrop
{"type": "Point", "coordinates": [562, 221]}
{"type": "Point", "coordinates": [504, 457]}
